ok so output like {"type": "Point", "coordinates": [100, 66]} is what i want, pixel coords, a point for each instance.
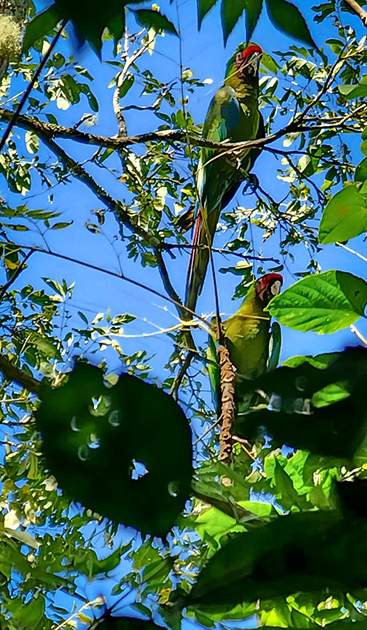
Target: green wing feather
{"type": "Point", "coordinates": [274, 347]}
{"type": "Point", "coordinates": [213, 371]}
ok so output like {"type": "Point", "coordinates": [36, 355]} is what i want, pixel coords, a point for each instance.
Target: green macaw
{"type": "Point", "coordinates": [233, 115]}
{"type": "Point", "coordinates": [247, 334]}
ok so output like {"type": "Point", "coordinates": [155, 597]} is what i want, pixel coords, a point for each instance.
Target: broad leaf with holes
{"type": "Point", "coordinates": [124, 451]}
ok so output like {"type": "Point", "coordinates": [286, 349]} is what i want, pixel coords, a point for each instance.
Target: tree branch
{"type": "Point", "coordinates": [48, 131]}
{"type": "Point", "coordinates": [122, 215]}
{"type": "Point", "coordinates": [358, 10]}
{"type": "Point", "coordinates": [30, 86]}
{"type": "Point", "coordinates": [13, 373]}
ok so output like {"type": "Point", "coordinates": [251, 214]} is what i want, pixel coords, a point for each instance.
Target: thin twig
{"type": "Point", "coordinates": [325, 86]}
{"type": "Point", "coordinates": [221, 250]}
{"type": "Point", "coordinates": [203, 435]}
{"type": "Point", "coordinates": [181, 373]}
{"type": "Point", "coordinates": [351, 251]}
{"type": "Point", "coordinates": [358, 334]}
{"type": "Point", "coordinates": [121, 276]}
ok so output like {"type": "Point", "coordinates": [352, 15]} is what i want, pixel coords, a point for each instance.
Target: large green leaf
{"type": "Point", "coordinates": [283, 14]}
{"type": "Point", "coordinates": [111, 15]}
{"type": "Point", "coordinates": [253, 10]}
{"type": "Point", "coordinates": [324, 302]}
{"type": "Point", "coordinates": [344, 217]}
{"type": "Point", "coordinates": [335, 427]}
{"type": "Point", "coordinates": [231, 13]}
{"type": "Point", "coordinates": [123, 451]}
{"type": "Point", "coordinates": [288, 18]}
{"type": "Point", "coordinates": [41, 25]}
{"type": "Point", "coordinates": [314, 552]}
{"type": "Point", "coordinates": [204, 7]}
{"type": "Point", "coordinates": [155, 19]}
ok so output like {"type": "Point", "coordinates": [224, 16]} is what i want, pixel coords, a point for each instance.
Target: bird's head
{"type": "Point", "coordinates": [245, 62]}
{"type": "Point", "coordinates": [268, 286]}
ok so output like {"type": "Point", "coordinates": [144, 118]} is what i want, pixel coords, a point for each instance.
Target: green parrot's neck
{"type": "Point", "coordinates": [245, 87]}
{"type": "Point", "coordinates": [252, 304]}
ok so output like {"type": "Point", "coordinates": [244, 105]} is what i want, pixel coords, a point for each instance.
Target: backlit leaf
{"type": "Point", "coordinates": [344, 217]}
{"type": "Point", "coordinates": [324, 302]}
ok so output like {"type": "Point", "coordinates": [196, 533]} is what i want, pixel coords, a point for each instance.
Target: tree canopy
{"type": "Point", "coordinates": [118, 509]}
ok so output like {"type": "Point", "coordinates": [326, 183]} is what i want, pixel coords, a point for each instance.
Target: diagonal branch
{"type": "Point", "coordinates": [358, 10]}
{"type": "Point", "coordinates": [14, 373]}
{"type": "Point", "coordinates": [122, 215]}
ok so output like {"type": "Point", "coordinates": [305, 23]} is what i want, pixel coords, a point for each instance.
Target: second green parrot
{"type": "Point", "coordinates": [247, 334]}
{"type": "Point", "coordinates": [232, 115]}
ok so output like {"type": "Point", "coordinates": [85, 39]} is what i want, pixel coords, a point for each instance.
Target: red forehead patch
{"type": "Point", "coordinates": [272, 277]}
{"type": "Point", "coordinates": [250, 50]}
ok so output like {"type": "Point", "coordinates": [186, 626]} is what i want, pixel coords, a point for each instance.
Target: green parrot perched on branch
{"type": "Point", "coordinates": [247, 335]}
{"type": "Point", "coordinates": [233, 115]}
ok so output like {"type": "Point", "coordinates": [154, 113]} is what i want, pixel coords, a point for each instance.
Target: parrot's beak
{"type": "Point", "coordinates": [255, 62]}
{"type": "Point", "coordinates": [275, 287]}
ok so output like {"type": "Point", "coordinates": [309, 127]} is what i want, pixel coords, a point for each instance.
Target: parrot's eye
{"type": "Point", "coordinates": [239, 59]}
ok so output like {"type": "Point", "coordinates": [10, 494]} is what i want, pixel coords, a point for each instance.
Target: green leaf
{"type": "Point", "coordinates": [293, 419]}
{"type": "Point", "coordinates": [275, 346]}
{"type": "Point", "coordinates": [288, 18]}
{"type": "Point", "coordinates": [297, 545]}
{"type": "Point", "coordinates": [23, 537]}
{"type": "Point", "coordinates": [284, 487]}
{"type": "Point", "coordinates": [131, 433]}
{"type": "Point", "coordinates": [44, 345]}
{"type": "Point", "coordinates": [364, 147]}
{"type": "Point", "coordinates": [61, 225]}
{"type": "Point", "coordinates": [29, 614]}
{"type": "Point", "coordinates": [324, 302]}
{"type": "Point", "coordinates": [310, 552]}
{"type": "Point", "coordinates": [330, 394]}
{"type": "Point", "coordinates": [253, 10]}
{"type": "Point", "coordinates": [204, 7]}
{"type": "Point", "coordinates": [83, 14]}
{"type": "Point", "coordinates": [31, 142]}
{"type": "Point", "coordinates": [230, 14]}
{"type": "Point", "coordinates": [320, 361]}
{"type": "Point", "coordinates": [214, 523]}
{"type": "Point", "coordinates": [360, 174]}
{"type": "Point", "coordinates": [344, 217]}
{"type": "Point", "coordinates": [358, 90]}
{"type": "Point", "coordinates": [155, 19]}
{"type": "Point", "coordinates": [110, 562]}
{"type": "Point", "coordinates": [40, 26]}
{"type": "Point", "coordinates": [92, 101]}
{"type": "Point", "coordinates": [126, 85]}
